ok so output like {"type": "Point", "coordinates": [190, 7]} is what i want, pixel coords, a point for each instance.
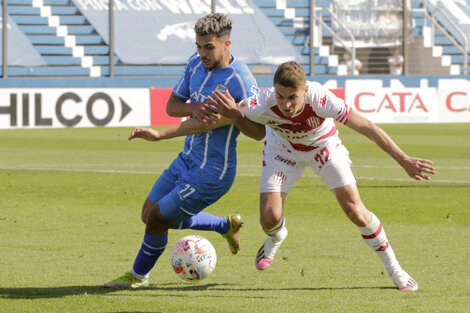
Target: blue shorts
{"type": "Point", "coordinates": [184, 189]}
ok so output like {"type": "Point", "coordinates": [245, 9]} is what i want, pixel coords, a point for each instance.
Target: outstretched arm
{"type": "Point", "coordinates": [187, 127]}
{"type": "Point", "coordinates": [226, 107]}
{"type": "Point", "coordinates": [415, 167]}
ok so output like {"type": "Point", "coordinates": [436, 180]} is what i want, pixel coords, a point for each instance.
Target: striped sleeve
{"type": "Point", "coordinates": [344, 114]}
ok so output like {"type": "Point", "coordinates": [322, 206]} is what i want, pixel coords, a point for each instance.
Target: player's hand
{"type": "Point", "coordinates": [206, 113]}
{"type": "Point", "coordinates": [144, 133]}
{"type": "Point", "coordinates": [225, 105]}
{"type": "Point", "coordinates": [418, 168]}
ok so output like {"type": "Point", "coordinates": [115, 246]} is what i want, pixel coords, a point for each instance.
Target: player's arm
{"type": "Point", "coordinates": [415, 167]}
{"type": "Point", "coordinates": [226, 107]}
{"type": "Point", "coordinates": [187, 127]}
{"type": "Point", "coordinates": [178, 107]}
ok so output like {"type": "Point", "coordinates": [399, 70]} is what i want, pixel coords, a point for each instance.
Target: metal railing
{"type": "Point", "coordinates": [4, 39]}
{"type": "Point", "coordinates": [352, 49]}
{"type": "Point", "coordinates": [434, 23]}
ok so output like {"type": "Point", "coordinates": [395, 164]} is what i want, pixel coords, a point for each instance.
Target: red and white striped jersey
{"type": "Point", "coordinates": [306, 131]}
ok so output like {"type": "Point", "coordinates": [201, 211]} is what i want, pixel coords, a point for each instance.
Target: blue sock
{"type": "Point", "coordinates": [151, 249]}
{"type": "Point", "coordinates": [205, 221]}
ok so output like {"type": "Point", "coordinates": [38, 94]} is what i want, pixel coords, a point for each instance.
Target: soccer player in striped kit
{"type": "Point", "coordinates": [205, 170]}
{"type": "Point", "coordinates": [300, 132]}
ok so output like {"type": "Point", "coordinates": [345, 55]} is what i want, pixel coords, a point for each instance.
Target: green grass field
{"type": "Point", "coordinates": [70, 202]}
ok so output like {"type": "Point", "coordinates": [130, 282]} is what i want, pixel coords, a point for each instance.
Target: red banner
{"type": "Point", "coordinates": [158, 99]}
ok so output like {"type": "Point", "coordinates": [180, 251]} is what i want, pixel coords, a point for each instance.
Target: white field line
{"type": "Point", "coordinates": [109, 171]}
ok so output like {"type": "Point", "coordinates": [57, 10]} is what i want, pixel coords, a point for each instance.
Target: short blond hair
{"type": "Point", "coordinates": [213, 24]}
{"type": "Point", "coordinates": [290, 74]}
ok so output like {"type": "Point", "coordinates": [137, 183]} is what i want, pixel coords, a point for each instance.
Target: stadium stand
{"type": "Point", "coordinates": [71, 46]}
{"type": "Point", "coordinates": [446, 33]}
{"type": "Point", "coordinates": [435, 48]}
{"type": "Point", "coordinates": [62, 35]}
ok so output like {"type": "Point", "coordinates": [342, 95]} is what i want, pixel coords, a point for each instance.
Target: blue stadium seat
{"type": "Point", "coordinates": [147, 70]}
{"type": "Point", "coordinates": [81, 29]}
{"type": "Point", "coordinates": [37, 29]}
{"type": "Point", "coordinates": [72, 20]}
{"type": "Point", "coordinates": [64, 10]}
{"type": "Point", "coordinates": [64, 71]}
{"type": "Point", "coordinates": [23, 10]}
{"type": "Point", "coordinates": [70, 60]}
{"type": "Point", "coordinates": [30, 20]}
{"type": "Point", "coordinates": [51, 50]}
{"type": "Point", "coordinates": [30, 2]}
{"type": "Point", "coordinates": [45, 39]}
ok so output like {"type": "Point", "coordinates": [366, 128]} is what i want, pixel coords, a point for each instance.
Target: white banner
{"type": "Point", "coordinates": [74, 107]}
{"type": "Point", "coordinates": [394, 104]}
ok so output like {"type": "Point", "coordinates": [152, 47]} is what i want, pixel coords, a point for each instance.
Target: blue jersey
{"type": "Point", "coordinates": [215, 150]}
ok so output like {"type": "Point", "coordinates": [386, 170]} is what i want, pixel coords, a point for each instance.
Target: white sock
{"type": "Point", "coordinates": [276, 236]}
{"type": "Point", "coordinates": [374, 235]}
{"type": "Point", "coordinates": [279, 232]}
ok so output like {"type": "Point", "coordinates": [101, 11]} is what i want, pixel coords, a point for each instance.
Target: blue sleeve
{"type": "Point", "coordinates": [181, 88]}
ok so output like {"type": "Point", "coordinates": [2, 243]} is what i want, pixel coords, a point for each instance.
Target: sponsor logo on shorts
{"type": "Point", "coordinates": [285, 160]}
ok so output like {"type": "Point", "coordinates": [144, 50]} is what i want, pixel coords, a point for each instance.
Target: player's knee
{"type": "Point", "coordinates": [156, 225]}
{"type": "Point", "coordinates": [146, 209]}
{"type": "Point", "coordinates": [144, 215]}
{"type": "Point", "coordinates": [268, 222]}
{"type": "Point", "coordinates": [273, 226]}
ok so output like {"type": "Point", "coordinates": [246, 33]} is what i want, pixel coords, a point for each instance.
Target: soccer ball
{"type": "Point", "coordinates": [193, 258]}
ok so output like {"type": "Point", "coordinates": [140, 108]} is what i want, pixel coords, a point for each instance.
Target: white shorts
{"type": "Point", "coordinates": [281, 168]}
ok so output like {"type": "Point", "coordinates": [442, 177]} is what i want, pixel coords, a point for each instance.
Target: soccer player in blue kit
{"type": "Point", "coordinates": [205, 170]}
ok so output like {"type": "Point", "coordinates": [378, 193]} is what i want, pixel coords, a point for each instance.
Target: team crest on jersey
{"type": "Point", "coordinates": [241, 104]}
{"type": "Point", "coordinates": [314, 121]}
{"type": "Point", "coordinates": [323, 101]}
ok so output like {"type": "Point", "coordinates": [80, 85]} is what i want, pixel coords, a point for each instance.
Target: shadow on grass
{"type": "Point", "coordinates": [450, 185]}
{"type": "Point", "coordinates": [52, 292]}
{"type": "Point", "coordinates": [367, 186]}
{"type": "Point", "coordinates": [63, 291]}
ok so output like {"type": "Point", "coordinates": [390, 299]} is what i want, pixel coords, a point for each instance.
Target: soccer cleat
{"type": "Point", "coordinates": [265, 255]}
{"type": "Point", "coordinates": [127, 281]}
{"type": "Point", "coordinates": [403, 281]}
{"type": "Point", "coordinates": [235, 222]}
